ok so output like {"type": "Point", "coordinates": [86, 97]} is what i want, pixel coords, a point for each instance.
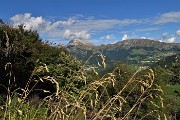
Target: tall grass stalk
{"type": "Point", "coordinates": [90, 103]}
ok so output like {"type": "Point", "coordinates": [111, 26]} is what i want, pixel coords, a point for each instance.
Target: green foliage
{"type": "Point", "coordinates": [25, 50]}
{"type": "Point", "coordinates": [138, 52]}
{"type": "Point", "coordinates": [162, 75]}
{"type": "Point", "coordinates": [172, 101]}
{"type": "Point", "coordinates": [169, 69]}
{"type": "Point", "coordinates": [68, 71]}
{"type": "Point", "coordinates": [176, 73]}
{"type": "Point", "coordinates": [17, 46]}
{"type": "Point", "coordinates": [25, 111]}
{"type": "Point", "coordinates": [167, 75]}
{"type": "Point", "coordinates": [1, 22]}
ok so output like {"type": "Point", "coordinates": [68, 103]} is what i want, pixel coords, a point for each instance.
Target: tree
{"type": "Point", "coordinates": [22, 51]}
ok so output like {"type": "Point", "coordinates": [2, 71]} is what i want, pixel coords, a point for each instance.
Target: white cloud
{"type": "Point", "coordinates": [69, 22]}
{"type": "Point", "coordinates": [125, 37]}
{"type": "Point", "coordinates": [107, 37]}
{"type": "Point", "coordinates": [170, 17]}
{"type": "Point", "coordinates": [51, 29]}
{"type": "Point", "coordinates": [69, 35]}
{"type": "Point", "coordinates": [160, 40]}
{"type": "Point", "coordinates": [95, 25]}
{"type": "Point", "coordinates": [52, 26]}
{"type": "Point", "coordinates": [143, 37]}
{"type": "Point", "coordinates": [114, 42]}
{"type": "Point", "coordinates": [178, 32]}
{"type": "Point", "coordinates": [171, 40]}
{"type": "Point", "coordinates": [147, 29]}
{"type": "Point", "coordinates": [29, 22]}
{"type": "Point", "coordinates": [36, 23]}
{"type": "Point", "coordinates": [82, 35]}
{"type": "Point", "coordinates": [80, 26]}
{"type": "Point", "coordinates": [167, 38]}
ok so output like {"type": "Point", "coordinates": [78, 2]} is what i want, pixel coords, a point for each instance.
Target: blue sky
{"type": "Point", "coordinates": [97, 21]}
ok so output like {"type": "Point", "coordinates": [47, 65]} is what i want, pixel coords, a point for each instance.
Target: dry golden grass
{"type": "Point", "coordinates": [88, 105]}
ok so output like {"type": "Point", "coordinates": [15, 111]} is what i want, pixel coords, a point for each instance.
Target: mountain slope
{"type": "Point", "coordinates": [136, 51]}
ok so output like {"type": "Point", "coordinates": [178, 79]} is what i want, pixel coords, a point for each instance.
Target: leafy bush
{"type": "Point", "coordinates": [24, 50]}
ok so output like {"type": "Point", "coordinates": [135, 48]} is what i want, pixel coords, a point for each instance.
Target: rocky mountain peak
{"type": "Point", "coordinates": [79, 42]}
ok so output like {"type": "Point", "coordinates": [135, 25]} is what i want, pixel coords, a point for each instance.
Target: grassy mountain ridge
{"type": "Point", "coordinates": [136, 51]}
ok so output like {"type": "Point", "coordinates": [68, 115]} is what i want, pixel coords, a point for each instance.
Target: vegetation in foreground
{"type": "Point", "coordinates": [39, 81]}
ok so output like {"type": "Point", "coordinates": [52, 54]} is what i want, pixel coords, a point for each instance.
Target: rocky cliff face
{"type": "Point", "coordinates": [81, 49]}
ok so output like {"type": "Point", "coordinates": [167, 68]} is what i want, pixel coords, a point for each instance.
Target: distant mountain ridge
{"type": "Point", "coordinates": [136, 51]}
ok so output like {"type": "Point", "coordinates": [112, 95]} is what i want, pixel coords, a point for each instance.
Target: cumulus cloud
{"type": "Point", "coordinates": [52, 29]}
{"type": "Point", "coordinates": [28, 21]}
{"type": "Point", "coordinates": [143, 37]}
{"type": "Point", "coordinates": [171, 40]}
{"type": "Point", "coordinates": [82, 35]}
{"type": "Point", "coordinates": [178, 32]}
{"type": "Point", "coordinates": [160, 40]}
{"type": "Point", "coordinates": [69, 35]}
{"type": "Point", "coordinates": [36, 23]}
{"type": "Point", "coordinates": [167, 38]}
{"type": "Point", "coordinates": [80, 26]}
{"type": "Point", "coordinates": [107, 37]}
{"type": "Point", "coordinates": [170, 17]}
{"type": "Point", "coordinates": [125, 37]}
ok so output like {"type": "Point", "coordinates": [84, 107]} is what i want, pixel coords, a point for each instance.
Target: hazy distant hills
{"type": "Point", "coordinates": [135, 51]}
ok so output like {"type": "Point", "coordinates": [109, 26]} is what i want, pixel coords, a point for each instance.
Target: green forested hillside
{"type": "Point", "coordinates": [134, 51]}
